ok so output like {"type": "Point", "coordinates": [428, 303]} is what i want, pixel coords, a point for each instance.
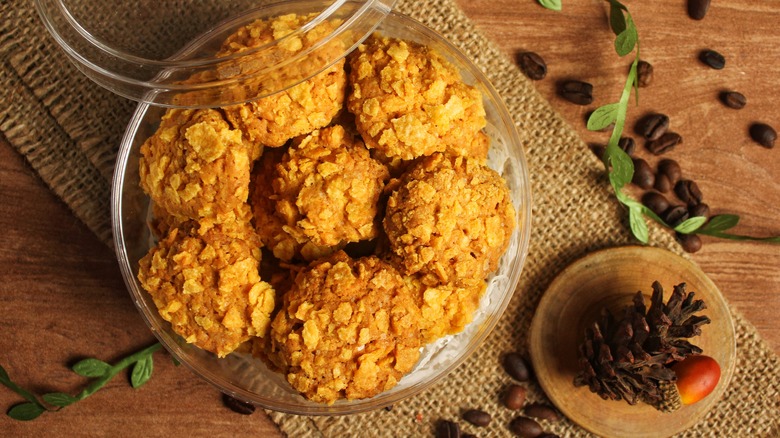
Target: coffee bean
{"type": "Point", "coordinates": [577, 92]}
{"type": "Point", "coordinates": [671, 169]}
{"type": "Point", "coordinates": [598, 150]}
{"type": "Point", "coordinates": [514, 398]}
{"type": "Point", "coordinates": [532, 65]}
{"type": "Point", "coordinates": [688, 192]}
{"type": "Point", "coordinates": [733, 99]}
{"type": "Point", "coordinates": [389, 408]}
{"type": "Point", "coordinates": [763, 134]}
{"type": "Point", "coordinates": [447, 429]}
{"type": "Point", "coordinates": [627, 144]}
{"type": "Point", "coordinates": [516, 366]}
{"type": "Point", "coordinates": [697, 9]}
{"type": "Point", "coordinates": [655, 202]}
{"type": "Point", "coordinates": [542, 412]}
{"type": "Point", "coordinates": [644, 73]}
{"type": "Point", "coordinates": [237, 405]}
{"type": "Point", "coordinates": [662, 183]}
{"type": "Point", "coordinates": [643, 174]}
{"type": "Point", "coordinates": [699, 210]}
{"type": "Point", "coordinates": [713, 59]}
{"type": "Point", "coordinates": [675, 215]}
{"type": "Point", "coordinates": [653, 126]}
{"type": "Point", "coordinates": [525, 427]}
{"type": "Point", "coordinates": [664, 144]}
{"type": "Point", "coordinates": [477, 418]}
{"type": "Point", "coordinates": [690, 242]}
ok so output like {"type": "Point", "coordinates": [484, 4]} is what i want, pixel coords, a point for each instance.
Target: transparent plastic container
{"type": "Point", "coordinates": [145, 75]}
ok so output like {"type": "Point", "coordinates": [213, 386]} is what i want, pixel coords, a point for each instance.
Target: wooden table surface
{"type": "Point", "coordinates": [63, 297]}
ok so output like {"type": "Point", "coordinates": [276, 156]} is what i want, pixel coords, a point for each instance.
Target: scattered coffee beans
{"type": "Point", "coordinates": [643, 174]}
{"type": "Point", "coordinates": [662, 183]}
{"type": "Point", "coordinates": [525, 427]}
{"type": "Point", "coordinates": [237, 405]}
{"type": "Point", "coordinates": [763, 134]}
{"type": "Point", "coordinates": [578, 92]}
{"type": "Point", "coordinates": [515, 366]}
{"type": "Point", "coordinates": [447, 429]}
{"type": "Point", "coordinates": [690, 242]}
{"type": "Point", "coordinates": [733, 99]}
{"type": "Point", "coordinates": [671, 169]}
{"type": "Point", "coordinates": [713, 59]}
{"type": "Point", "coordinates": [627, 144]}
{"type": "Point", "coordinates": [688, 192]}
{"type": "Point", "coordinates": [664, 143]}
{"type": "Point", "coordinates": [644, 73]}
{"type": "Point", "coordinates": [653, 126]}
{"type": "Point", "coordinates": [542, 412]}
{"type": "Point", "coordinates": [697, 9]}
{"type": "Point", "coordinates": [532, 65]}
{"type": "Point", "coordinates": [699, 210]}
{"type": "Point", "coordinates": [675, 215]}
{"type": "Point", "coordinates": [514, 398]}
{"type": "Point", "coordinates": [477, 417]}
{"type": "Point", "coordinates": [656, 202]}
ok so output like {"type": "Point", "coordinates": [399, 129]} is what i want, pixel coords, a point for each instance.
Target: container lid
{"type": "Point", "coordinates": [174, 53]}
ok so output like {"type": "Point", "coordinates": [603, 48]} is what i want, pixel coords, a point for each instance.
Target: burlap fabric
{"type": "Point", "coordinates": [68, 129]}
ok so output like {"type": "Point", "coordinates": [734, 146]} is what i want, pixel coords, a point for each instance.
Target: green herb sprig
{"type": "Point", "coordinates": [554, 5]}
{"type": "Point", "coordinates": [619, 165]}
{"type": "Point", "coordinates": [141, 364]}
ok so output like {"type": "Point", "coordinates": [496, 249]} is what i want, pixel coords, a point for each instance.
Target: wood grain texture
{"type": "Point", "coordinates": [63, 297]}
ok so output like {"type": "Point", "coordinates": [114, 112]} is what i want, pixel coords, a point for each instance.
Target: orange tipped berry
{"type": "Point", "coordinates": [697, 376]}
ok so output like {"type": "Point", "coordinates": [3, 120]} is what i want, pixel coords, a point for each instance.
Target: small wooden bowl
{"type": "Point", "coordinates": [611, 278]}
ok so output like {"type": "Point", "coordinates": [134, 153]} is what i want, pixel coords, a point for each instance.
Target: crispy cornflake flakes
{"type": "Point", "coordinates": [347, 329]}
{"type": "Point", "coordinates": [205, 282]}
{"type": "Point", "coordinates": [379, 219]}
{"type": "Point", "coordinates": [450, 219]}
{"type": "Point", "coordinates": [409, 102]}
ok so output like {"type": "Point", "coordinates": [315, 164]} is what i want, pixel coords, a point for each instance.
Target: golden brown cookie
{"type": "Point", "coordinates": [347, 329]}
{"type": "Point", "coordinates": [450, 219]}
{"type": "Point", "coordinates": [446, 308]}
{"type": "Point", "coordinates": [323, 193]}
{"type": "Point", "coordinates": [409, 102]}
{"type": "Point", "coordinates": [309, 105]}
{"type": "Point", "coordinates": [195, 165]}
{"type": "Point", "coordinates": [205, 282]}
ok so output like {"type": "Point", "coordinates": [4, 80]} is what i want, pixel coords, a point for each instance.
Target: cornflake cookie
{"type": "Point", "coordinates": [409, 102]}
{"type": "Point", "coordinates": [347, 329]}
{"type": "Point", "coordinates": [450, 220]}
{"type": "Point", "coordinates": [323, 193]}
{"type": "Point", "coordinates": [205, 282]}
{"type": "Point", "coordinates": [446, 308]}
{"type": "Point", "coordinates": [271, 227]}
{"type": "Point", "coordinates": [195, 165]}
{"type": "Point", "coordinates": [310, 105]}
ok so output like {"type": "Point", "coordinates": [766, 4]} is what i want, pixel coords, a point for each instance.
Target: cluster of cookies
{"type": "Point", "coordinates": [334, 228]}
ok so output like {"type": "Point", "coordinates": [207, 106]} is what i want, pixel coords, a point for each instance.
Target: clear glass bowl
{"type": "Point", "coordinates": [247, 378]}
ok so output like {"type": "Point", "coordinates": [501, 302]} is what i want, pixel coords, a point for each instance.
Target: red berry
{"type": "Point", "coordinates": [697, 376]}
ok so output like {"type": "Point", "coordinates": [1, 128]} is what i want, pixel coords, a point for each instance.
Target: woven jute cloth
{"type": "Point", "coordinates": [69, 129]}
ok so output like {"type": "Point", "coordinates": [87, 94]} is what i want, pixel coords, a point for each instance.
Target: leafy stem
{"type": "Point", "coordinates": [140, 361]}
{"type": "Point", "coordinates": [619, 165]}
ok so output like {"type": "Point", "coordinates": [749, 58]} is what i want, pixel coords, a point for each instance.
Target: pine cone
{"type": "Point", "coordinates": [628, 359]}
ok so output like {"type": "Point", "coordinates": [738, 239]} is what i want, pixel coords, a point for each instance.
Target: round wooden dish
{"type": "Point", "coordinates": [611, 278]}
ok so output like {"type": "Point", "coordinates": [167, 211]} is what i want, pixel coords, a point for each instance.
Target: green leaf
{"type": "Point", "coordinates": [4, 375]}
{"type": "Point", "coordinates": [603, 116]}
{"type": "Point", "coordinates": [60, 399]}
{"type": "Point", "coordinates": [622, 167]}
{"type": "Point", "coordinates": [721, 222]}
{"type": "Point", "coordinates": [617, 21]}
{"type": "Point", "coordinates": [554, 5]}
{"type": "Point", "coordinates": [26, 411]}
{"type": "Point", "coordinates": [142, 371]}
{"type": "Point", "coordinates": [626, 40]}
{"type": "Point", "coordinates": [91, 368]}
{"type": "Point", "coordinates": [638, 224]}
{"type": "Point", "coordinates": [690, 225]}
